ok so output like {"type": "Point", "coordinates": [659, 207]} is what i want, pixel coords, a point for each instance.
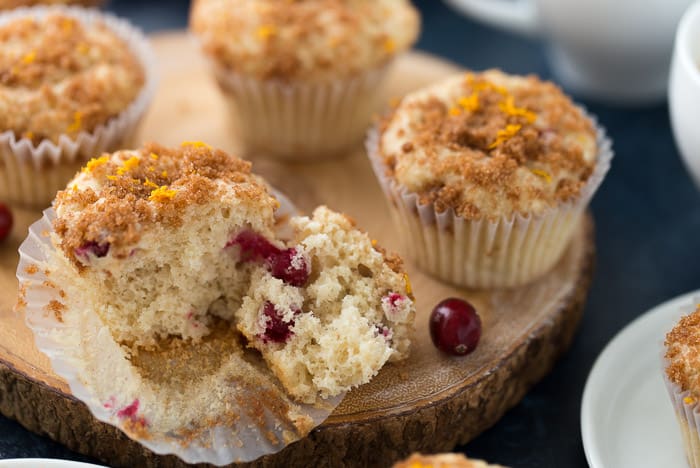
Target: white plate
{"type": "Point", "coordinates": [44, 462]}
{"type": "Point", "coordinates": [626, 417]}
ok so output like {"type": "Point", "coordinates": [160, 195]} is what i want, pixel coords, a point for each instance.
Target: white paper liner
{"type": "Point", "coordinates": [31, 175]}
{"type": "Point", "coordinates": [301, 121]}
{"type": "Point", "coordinates": [687, 414]}
{"type": "Point", "coordinates": [506, 252]}
{"type": "Point", "coordinates": [65, 342]}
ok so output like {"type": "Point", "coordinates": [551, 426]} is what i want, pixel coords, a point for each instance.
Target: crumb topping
{"type": "Point", "coordinates": [304, 39]}
{"type": "Point", "coordinates": [683, 354]}
{"type": "Point", "coordinates": [59, 76]}
{"type": "Point", "coordinates": [489, 145]}
{"type": "Point", "coordinates": [115, 197]}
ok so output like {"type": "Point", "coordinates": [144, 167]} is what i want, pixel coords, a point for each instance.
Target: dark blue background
{"type": "Point", "coordinates": [648, 226]}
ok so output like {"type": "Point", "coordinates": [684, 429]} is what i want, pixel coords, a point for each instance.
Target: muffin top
{"type": "Point", "coordinates": [8, 4]}
{"type": "Point", "coordinates": [117, 197]}
{"type": "Point", "coordinates": [442, 460]}
{"type": "Point", "coordinates": [489, 145]}
{"type": "Point", "coordinates": [683, 354]}
{"type": "Point", "coordinates": [59, 76]}
{"type": "Point", "coordinates": [315, 40]}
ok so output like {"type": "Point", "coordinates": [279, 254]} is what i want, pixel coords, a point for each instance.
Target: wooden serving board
{"type": "Point", "coordinates": [429, 403]}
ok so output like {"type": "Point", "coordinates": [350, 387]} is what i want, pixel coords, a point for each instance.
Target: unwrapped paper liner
{"type": "Point", "coordinates": [31, 175]}
{"type": "Point", "coordinates": [302, 120]}
{"type": "Point", "coordinates": [483, 253]}
{"type": "Point", "coordinates": [687, 411]}
{"type": "Point", "coordinates": [64, 344]}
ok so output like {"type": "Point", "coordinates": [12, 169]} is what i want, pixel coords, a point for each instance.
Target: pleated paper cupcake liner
{"type": "Point", "coordinates": [686, 407]}
{"type": "Point", "coordinates": [484, 253]}
{"type": "Point", "coordinates": [260, 418]}
{"type": "Point", "coordinates": [30, 175]}
{"type": "Point", "coordinates": [301, 121]}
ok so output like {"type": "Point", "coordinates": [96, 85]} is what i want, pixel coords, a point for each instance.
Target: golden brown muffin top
{"type": "Point", "coordinates": [314, 40]}
{"type": "Point", "coordinates": [116, 197]}
{"type": "Point", "coordinates": [683, 354]}
{"type": "Point", "coordinates": [489, 145]}
{"type": "Point", "coordinates": [59, 76]}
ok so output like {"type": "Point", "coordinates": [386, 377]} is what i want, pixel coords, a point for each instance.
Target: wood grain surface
{"type": "Point", "coordinates": [430, 403]}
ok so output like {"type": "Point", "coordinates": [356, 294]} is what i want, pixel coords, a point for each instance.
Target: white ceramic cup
{"type": "Point", "coordinates": [684, 90]}
{"type": "Point", "coordinates": [613, 50]}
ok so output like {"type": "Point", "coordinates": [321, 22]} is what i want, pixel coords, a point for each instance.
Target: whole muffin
{"type": "Point", "coordinates": [682, 377]}
{"type": "Point", "coordinates": [74, 83]}
{"type": "Point", "coordinates": [487, 175]}
{"type": "Point", "coordinates": [170, 276]}
{"type": "Point", "coordinates": [9, 4]}
{"type": "Point", "coordinates": [303, 77]}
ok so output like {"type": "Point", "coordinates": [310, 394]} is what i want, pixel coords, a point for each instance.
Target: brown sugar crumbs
{"type": "Point", "coordinates": [151, 185]}
{"type": "Point", "coordinates": [483, 138]}
{"type": "Point", "coordinates": [683, 353]}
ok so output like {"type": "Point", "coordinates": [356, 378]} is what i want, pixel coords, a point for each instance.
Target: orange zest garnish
{"type": "Point", "coordinates": [162, 194]}
{"type": "Point", "coordinates": [455, 111]}
{"type": "Point", "coordinates": [505, 134]}
{"type": "Point", "coordinates": [508, 106]}
{"type": "Point", "coordinates": [154, 156]}
{"type": "Point", "coordinates": [469, 103]}
{"type": "Point", "coordinates": [29, 58]}
{"type": "Point", "coordinates": [543, 174]}
{"type": "Point", "coordinates": [389, 45]}
{"type": "Point", "coordinates": [95, 163]}
{"type": "Point", "coordinates": [407, 281]}
{"type": "Point", "coordinates": [689, 400]}
{"type": "Point", "coordinates": [196, 144]}
{"type": "Point", "coordinates": [128, 165]}
{"type": "Point", "coordinates": [77, 122]}
{"type": "Point", "coordinates": [150, 184]}
{"type": "Point", "coordinates": [265, 32]}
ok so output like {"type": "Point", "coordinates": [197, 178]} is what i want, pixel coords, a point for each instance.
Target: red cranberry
{"type": "Point", "coordinates": [5, 221]}
{"type": "Point", "coordinates": [253, 246]}
{"type": "Point", "coordinates": [276, 330]}
{"type": "Point", "coordinates": [290, 267]}
{"type": "Point", "coordinates": [286, 265]}
{"type": "Point", "coordinates": [455, 327]}
{"type": "Point", "coordinates": [129, 411]}
{"type": "Point", "coordinates": [92, 247]}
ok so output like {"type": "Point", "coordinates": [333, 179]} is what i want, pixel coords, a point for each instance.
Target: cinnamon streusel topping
{"type": "Point", "coordinates": [489, 145]}
{"type": "Point", "coordinates": [304, 39]}
{"type": "Point", "coordinates": [683, 353]}
{"type": "Point", "coordinates": [115, 197]}
{"type": "Point", "coordinates": [59, 76]}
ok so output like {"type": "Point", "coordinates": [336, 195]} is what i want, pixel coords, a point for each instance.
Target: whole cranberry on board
{"type": "Point", "coordinates": [5, 221]}
{"type": "Point", "coordinates": [455, 327]}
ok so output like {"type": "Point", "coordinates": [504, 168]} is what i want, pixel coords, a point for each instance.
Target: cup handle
{"type": "Point", "coordinates": [518, 16]}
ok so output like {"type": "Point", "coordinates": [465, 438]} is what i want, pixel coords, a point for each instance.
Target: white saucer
{"type": "Point", "coordinates": [626, 417]}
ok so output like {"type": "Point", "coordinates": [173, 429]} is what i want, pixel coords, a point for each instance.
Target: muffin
{"type": "Point", "coordinates": [487, 176]}
{"type": "Point", "coordinates": [442, 460]}
{"type": "Point", "coordinates": [303, 78]}
{"type": "Point", "coordinates": [191, 312]}
{"type": "Point", "coordinates": [74, 83]}
{"type": "Point", "coordinates": [9, 4]}
{"type": "Point", "coordinates": [682, 377]}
